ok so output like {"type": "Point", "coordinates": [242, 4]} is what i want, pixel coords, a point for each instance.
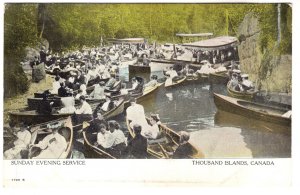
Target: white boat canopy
{"type": "Point", "coordinates": [220, 43]}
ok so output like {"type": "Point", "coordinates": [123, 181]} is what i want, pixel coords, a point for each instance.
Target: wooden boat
{"type": "Point", "coordinates": [148, 91]}
{"type": "Point", "coordinates": [92, 151]}
{"type": "Point", "coordinates": [91, 137]}
{"type": "Point", "coordinates": [247, 95]}
{"type": "Point", "coordinates": [252, 109]}
{"type": "Point", "coordinates": [136, 69]}
{"type": "Point", "coordinates": [118, 108]}
{"type": "Point", "coordinates": [33, 117]}
{"type": "Point", "coordinates": [168, 143]}
{"type": "Point", "coordinates": [66, 131]}
{"type": "Point", "coordinates": [175, 83]}
{"type": "Point", "coordinates": [218, 77]}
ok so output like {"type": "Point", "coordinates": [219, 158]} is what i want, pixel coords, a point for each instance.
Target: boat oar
{"type": "Point", "coordinates": [163, 151]}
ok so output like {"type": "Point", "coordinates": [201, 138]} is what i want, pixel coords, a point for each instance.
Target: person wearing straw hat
{"type": "Point", "coordinates": [52, 146]}
{"type": "Point", "coordinates": [21, 143]}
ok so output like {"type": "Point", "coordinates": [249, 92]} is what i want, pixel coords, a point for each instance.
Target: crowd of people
{"type": "Point", "coordinates": [93, 73]}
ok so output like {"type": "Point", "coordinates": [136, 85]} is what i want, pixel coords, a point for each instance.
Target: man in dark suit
{"type": "Point", "coordinates": [137, 147]}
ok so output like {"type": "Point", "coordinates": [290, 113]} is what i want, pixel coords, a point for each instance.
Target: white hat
{"type": "Point", "coordinates": [237, 71]}
{"type": "Point", "coordinates": [244, 75]}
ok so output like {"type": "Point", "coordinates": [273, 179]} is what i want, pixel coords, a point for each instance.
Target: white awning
{"type": "Point", "coordinates": [222, 42]}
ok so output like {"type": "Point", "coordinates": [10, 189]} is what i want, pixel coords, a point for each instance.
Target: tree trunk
{"type": "Point", "coordinates": [278, 23]}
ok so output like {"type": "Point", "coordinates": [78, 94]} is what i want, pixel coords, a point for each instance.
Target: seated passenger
{"type": "Point", "coordinates": [55, 85]}
{"type": "Point", "coordinates": [68, 105]}
{"type": "Point", "coordinates": [62, 91]}
{"type": "Point", "coordinates": [23, 140]}
{"type": "Point", "coordinates": [152, 82]}
{"type": "Point", "coordinates": [108, 105]}
{"type": "Point", "coordinates": [52, 146]}
{"type": "Point", "coordinates": [85, 107]}
{"type": "Point", "coordinates": [110, 83]}
{"type": "Point", "coordinates": [137, 87]}
{"type": "Point", "coordinates": [102, 136]}
{"type": "Point", "coordinates": [137, 147]}
{"type": "Point", "coordinates": [98, 92]}
{"type": "Point", "coordinates": [152, 131]}
{"type": "Point", "coordinates": [184, 149]}
{"type": "Point", "coordinates": [117, 140]}
{"type": "Point", "coordinates": [123, 90]}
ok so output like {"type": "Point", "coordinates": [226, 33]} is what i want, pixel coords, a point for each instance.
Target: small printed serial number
{"type": "Point", "coordinates": [17, 179]}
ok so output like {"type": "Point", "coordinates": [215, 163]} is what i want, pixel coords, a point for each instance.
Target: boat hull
{"type": "Point", "coordinates": [176, 83]}
{"type": "Point", "coordinates": [250, 109]}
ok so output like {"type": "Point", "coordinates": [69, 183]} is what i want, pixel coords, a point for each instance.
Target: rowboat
{"type": "Point", "coordinates": [40, 131]}
{"type": "Point", "coordinates": [175, 83]}
{"type": "Point", "coordinates": [247, 95]}
{"type": "Point", "coordinates": [168, 143]}
{"type": "Point", "coordinates": [148, 91]}
{"type": "Point", "coordinates": [253, 110]}
{"type": "Point", "coordinates": [92, 151]}
{"type": "Point", "coordinates": [33, 117]}
{"type": "Point", "coordinates": [118, 108]}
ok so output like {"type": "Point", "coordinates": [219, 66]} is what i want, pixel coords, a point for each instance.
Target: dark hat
{"type": "Point", "coordinates": [82, 97]}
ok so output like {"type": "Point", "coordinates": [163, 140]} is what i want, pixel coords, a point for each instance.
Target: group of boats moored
{"type": "Point", "coordinates": [92, 77]}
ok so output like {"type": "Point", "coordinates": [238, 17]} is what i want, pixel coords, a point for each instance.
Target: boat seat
{"type": "Point", "coordinates": [156, 141]}
{"type": "Point", "coordinates": [288, 114]}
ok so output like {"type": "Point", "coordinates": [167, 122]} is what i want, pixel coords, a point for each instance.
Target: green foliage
{"type": "Point", "coordinates": [84, 24]}
{"type": "Point", "coordinates": [19, 32]}
{"type": "Point", "coordinates": [70, 26]}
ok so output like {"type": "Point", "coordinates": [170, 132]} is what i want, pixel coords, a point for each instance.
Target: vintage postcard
{"type": "Point", "coordinates": [167, 94]}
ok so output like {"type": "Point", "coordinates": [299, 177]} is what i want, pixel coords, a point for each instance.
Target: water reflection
{"type": "Point", "coordinates": [264, 139]}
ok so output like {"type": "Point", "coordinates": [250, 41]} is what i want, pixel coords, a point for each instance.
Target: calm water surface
{"type": "Point", "coordinates": [218, 134]}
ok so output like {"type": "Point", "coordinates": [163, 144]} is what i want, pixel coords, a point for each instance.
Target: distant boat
{"type": "Point", "coordinates": [247, 95]}
{"type": "Point", "coordinates": [254, 110]}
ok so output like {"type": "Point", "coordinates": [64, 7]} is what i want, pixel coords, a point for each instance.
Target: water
{"type": "Point", "coordinates": [218, 134]}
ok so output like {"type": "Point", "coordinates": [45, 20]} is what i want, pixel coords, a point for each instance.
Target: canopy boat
{"type": "Point", "coordinates": [247, 95]}
{"type": "Point", "coordinates": [40, 131]}
{"type": "Point", "coordinates": [254, 110]}
{"type": "Point", "coordinates": [168, 142]}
